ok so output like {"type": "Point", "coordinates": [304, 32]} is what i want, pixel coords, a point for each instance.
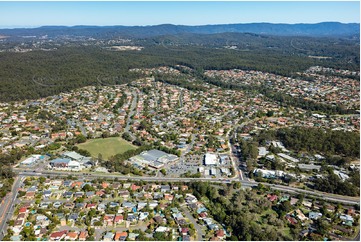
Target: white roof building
{"type": "Point", "coordinates": [287, 157]}
{"type": "Point", "coordinates": [270, 157]}
{"type": "Point", "coordinates": [341, 175]}
{"type": "Point", "coordinates": [210, 159]}
{"type": "Point", "coordinates": [309, 167]}
{"type": "Point", "coordinates": [269, 173]}
{"type": "Point", "coordinates": [31, 160]}
{"type": "Point", "coordinates": [278, 144]}
{"type": "Point", "coordinates": [161, 229]}
{"type": "Point", "coordinates": [77, 157]}
{"type": "Point", "coordinates": [73, 155]}
{"type": "Point", "coordinates": [319, 157]}
{"type": "Point", "coordinates": [225, 171]}
{"type": "Point", "coordinates": [316, 115]}
{"type": "Point", "coordinates": [262, 151]}
{"type": "Point", "coordinates": [74, 165]}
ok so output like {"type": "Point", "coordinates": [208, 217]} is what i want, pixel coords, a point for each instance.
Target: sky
{"type": "Point", "coordinates": [35, 14]}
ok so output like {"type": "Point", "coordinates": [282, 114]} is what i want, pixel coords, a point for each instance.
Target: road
{"type": "Point", "coordinates": [131, 113]}
{"type": "Point", "coordinates": [7, 206]}
{"type": "Point", "coordinates": [357, 238]}
{"type": "Point", "coordinates": [198, 228]}
{"type": "Point", "coordinates": [189, 147]}
{"type": "Point", "coordinates": [156, 94]}
{"type": "Point", "coordinates": [181, 99]}
{"type": "Point", "coordinates": [230, 153]}
{"type": "Point", "coordinates": [318, 194]}
{"type": "Point", "coordinates": [82, 128]}
{"type": "Point", "coordinates": [245, 183]}
{"type": "Point", "coordinates": [235, 160]}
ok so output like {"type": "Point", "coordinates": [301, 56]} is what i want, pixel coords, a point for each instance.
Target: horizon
{"type": "Point", "coordinates": [82, 25]}
{"type": "Point", "coordinates": [102, 14]}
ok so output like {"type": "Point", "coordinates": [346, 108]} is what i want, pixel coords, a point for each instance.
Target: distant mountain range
{"type": "Point", "coordinates": [325, 29]}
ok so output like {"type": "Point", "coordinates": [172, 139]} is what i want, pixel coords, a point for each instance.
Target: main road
{"type": "Point", "coordinates": [245, 183]}
{"type": "Point", "coordinates": [234, 159]}
{"type": "Point", "coordinates": [7, 206]}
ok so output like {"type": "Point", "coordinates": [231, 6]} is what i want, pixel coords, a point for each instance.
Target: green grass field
{"type": "Point", "coordinates": [107, 147]}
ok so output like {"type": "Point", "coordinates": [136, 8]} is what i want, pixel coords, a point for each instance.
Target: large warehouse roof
{"type": "Point", "coordinates": [210, 159]}
{"type": "Point", "coordinates": [152, 155]}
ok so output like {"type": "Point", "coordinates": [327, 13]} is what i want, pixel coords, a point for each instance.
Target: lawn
{"type": "Point", "coordinates": [268, 211]}
{"type": "Point", "coordinates": [107, 147]}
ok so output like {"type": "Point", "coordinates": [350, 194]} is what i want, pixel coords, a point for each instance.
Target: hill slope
{"type": "Point", "coordinates": [319, 29]}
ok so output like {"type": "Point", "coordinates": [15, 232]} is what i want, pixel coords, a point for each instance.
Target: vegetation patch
{"type": "Point", "coordinates": [106, 147]}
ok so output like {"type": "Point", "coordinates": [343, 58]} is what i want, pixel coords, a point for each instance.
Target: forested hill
{"type": "Point", "coordinates": [45, 61]}
{"type": "Point", "coordinates": [315, 30]}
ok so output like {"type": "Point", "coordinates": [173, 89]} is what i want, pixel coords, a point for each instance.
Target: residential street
{"type": "Point", "coordinates": [131, 113]}
{"type": "Point", "coordinates": [198, 228]}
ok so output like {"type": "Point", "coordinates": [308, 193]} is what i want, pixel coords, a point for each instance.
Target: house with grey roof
{"type": "Point", "coordinates": [73, 217]}
{"type": "Point", "coordinates": [108, 236]}
{"type": "Point", "coordinates": [314, 215]}
{"type": "Point", "coordinates": [309, 167]}
{"type": "Point", "coordinates": [132, 236]}
{"type": "Point", "coordinates": [47, 193]}
{"type": "Point", "coordinates": [164, 188]}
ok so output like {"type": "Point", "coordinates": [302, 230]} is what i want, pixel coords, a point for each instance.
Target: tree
{"type": "Point", "coordinates": [28, 233]}
{"type": "Point", "coordinates": [127, 136]}
{"type": "Point", "coordinates": [105, 134]}
{"type": "Point", "coordinates": [236, 185]}
{"type": "Point", "coordinates": [160, 236]}
{"type": "Point", "coordinates": [285, 206]}
{"type": "Point", "coordinates": [100, 157]}
{"type": "Point", "coordinates": [8, 235]}
{"type": "Point", "coordinates": [163, 171]}
{"type": "Point", "coordinates": [322, 226]}
{"type": "Point", "coordinates": [253, 153]}
{"type": "Point", "coordinates": [6, 172]}
{"type": "Point", "coordinates": [98, 223]}
{"type": "Point", "coordinates": [84, 152]}
{"type": "Point", "coordinates": [80, 139]}
{"type": "Point", "coordinates": [88, 188]}
{"type": "Point", "coordinates": [233, 238]}
{"type": "Point", "coordinates": [54, 146]}
{"type": "Point", "coordinates": [42, 179]}
{"type": "Point", "coordinates": [11, 222]}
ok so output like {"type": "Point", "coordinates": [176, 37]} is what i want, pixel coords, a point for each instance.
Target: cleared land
{"type": "Point", "coordinates": [107, 147]}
